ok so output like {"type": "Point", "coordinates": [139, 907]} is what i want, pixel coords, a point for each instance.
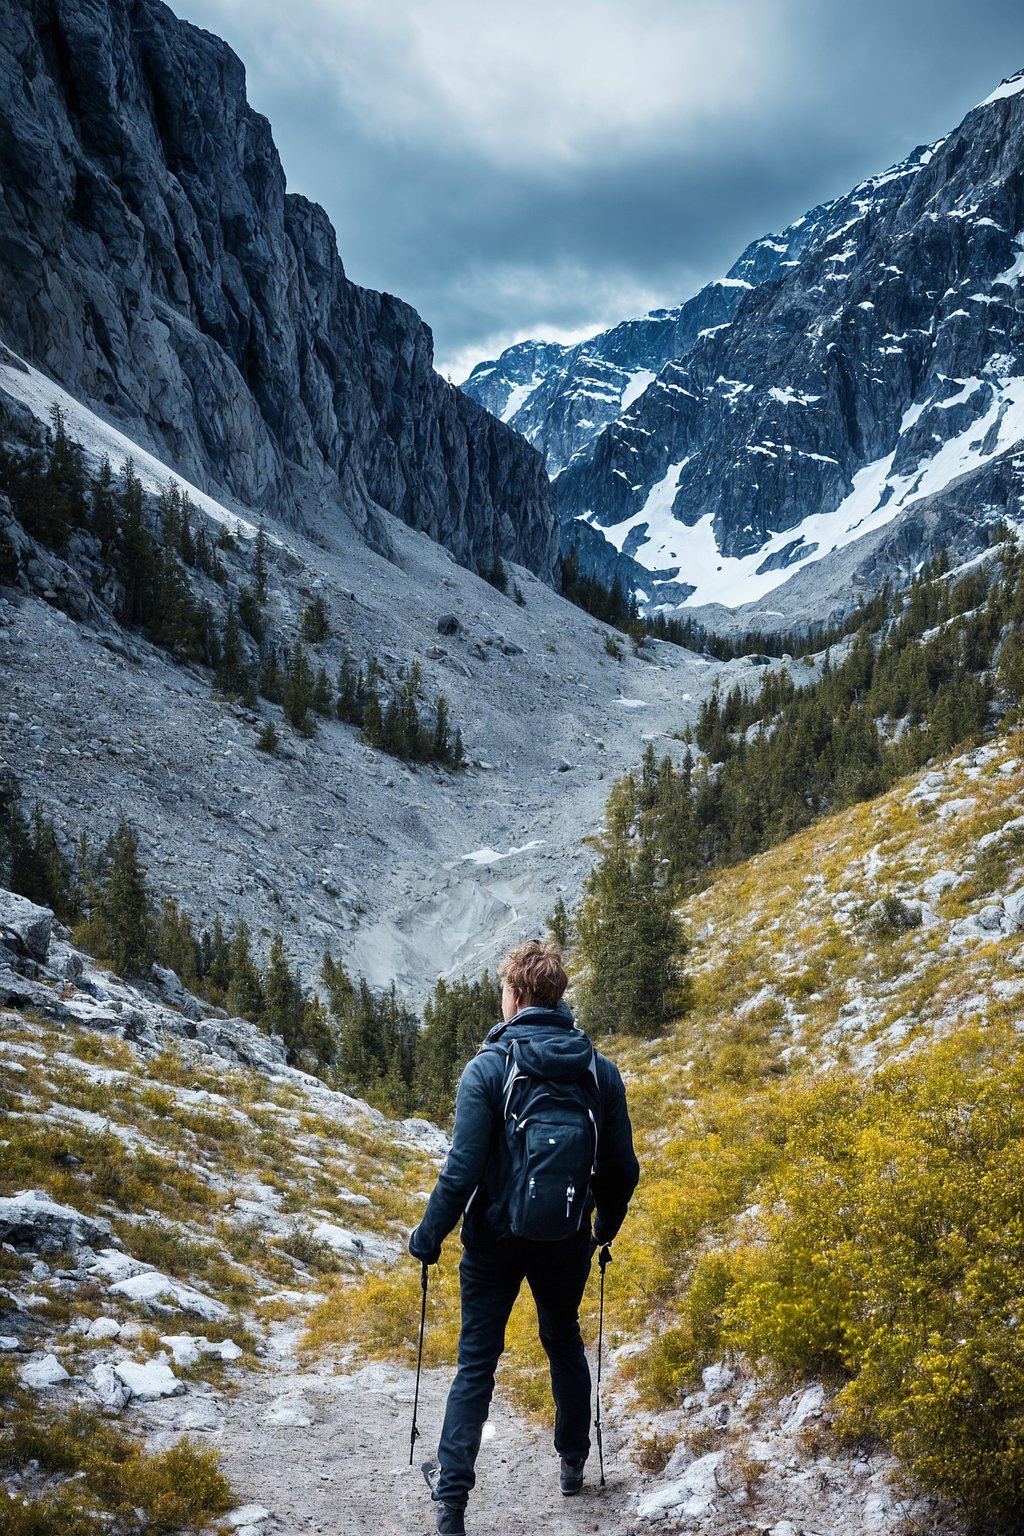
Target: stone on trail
{"type": "Point", "coordinates": [187, 1349]}
{"type": "Point", "coordinates": [246, 1516]}
{"type": "Point", "coordinates": [290, 1412]}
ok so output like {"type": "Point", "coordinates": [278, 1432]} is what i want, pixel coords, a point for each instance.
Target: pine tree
{"type": "Point", "coordinates": [32, 863]}
{"type": "Point", "coordinates": [175, 944]}
{"type": "Point", "coordinates": [340, 991]}
{"type": "Point", "coordinates": [136, 552]}
{"type": "Point", "coordinates": [186, 542]}
{"type": "Point", "coordinates": [351, 689]}
{"type": "Point", "coordinates": [232, 674]}
{"type": "Point", "coordinates": [283, 1003]}
{"type": "Point", "coordinates": [272, 679]}
{"type": "Point", "coordinates": [316, 626]}
{"type": "Point", "coordinates": [441, 747]}
{"type": "Point", "coordinates": [629, 944]}
{"type": "Point", "coordinates": [259, 566]}
{"type": "Point", "coordinates": [559, 924]}
{"type": "Point", "coordinates": [323, 698]}
{"type": "Point", "coordinates": [245, 990]}
{"type": "Point", "coordinates": [125, 908]}
{"type": "Point", "coordinates": [456, 1018]}
{"type": "Point", "coordinates": [297, 699]}
{"type": "Point", "coordinates": [216, 961]}
{"type": "Point", "coordinates": [373, 720]}
{"type": "Point", "coordinates": [458, 751]}
{"type": "Point", "coordinates": [268, 740]}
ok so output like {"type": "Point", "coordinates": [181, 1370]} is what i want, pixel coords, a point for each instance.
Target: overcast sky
{"type": "Point", "coordinates": [548, 167]}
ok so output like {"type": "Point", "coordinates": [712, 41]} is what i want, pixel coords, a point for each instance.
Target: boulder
{"type": "Point", "coordinates": [103, 1328]}
{"type": "Point", "coordinates": [42, 1372]}
{"type": "Point", "coordinates": [448, 624]}
{"type": "Point", "coordinates": [692, 1495]}
{"type": "Point", "coordinates": [169, 986]}
{"type": "Point", "coordinates": [162, 1294]}
{"type": "Point", "coordinates": [242, 1042]}
{"type": "Point", "coordinates": [31, 1221]}
{"type": "Point", "coordinates": [108, 1387]}
{"type": "Point", "coordinates": [149, 1380]}
{"type": "Point", "coordinates": [24, 927]}
{"type": "Point", "coordinates": [1013, 907]}
{"type": "Point", "coordinates": [717, 1378]}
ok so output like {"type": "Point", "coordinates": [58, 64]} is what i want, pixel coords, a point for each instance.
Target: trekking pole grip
{"type": "Point", "coordinates": [604, 1258]}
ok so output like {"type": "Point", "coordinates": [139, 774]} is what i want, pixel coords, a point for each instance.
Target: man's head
{"type": "Point", "coordinates": [532, 976]}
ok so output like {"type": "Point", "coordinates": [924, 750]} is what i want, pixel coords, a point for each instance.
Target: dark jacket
{"type": "Point", "coordinates": [475, 1175]}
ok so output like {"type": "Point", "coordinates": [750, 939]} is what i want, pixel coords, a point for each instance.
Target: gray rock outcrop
{"type": "Point", "coordinates": [24, 927]}
{"type": "Point", "coordinates": [152, 261]}
{"type": "Point", "coordinates": [31, 1220]}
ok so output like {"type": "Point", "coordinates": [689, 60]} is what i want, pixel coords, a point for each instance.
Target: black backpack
{"type": "Point", "coordinates": [551, 1129]}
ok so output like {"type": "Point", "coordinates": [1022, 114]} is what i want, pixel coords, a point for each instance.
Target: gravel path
{"type": "Point", "coordinates": [328, 1454]}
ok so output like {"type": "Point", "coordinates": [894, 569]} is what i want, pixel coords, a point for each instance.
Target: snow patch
{"type": "Point", "coordinates": [1011, 87]}
{"type": "Point", "coordinates": [102, 440]}
{"type": "Point", "coordinates": [636, 386]}
{"type": "Point", "coordinates": [492, 856]}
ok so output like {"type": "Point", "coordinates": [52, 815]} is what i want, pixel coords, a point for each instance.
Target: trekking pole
{"type": "Point", "coordinates": [419, 1365]}
{"type": "Point", "coordinates": [604, 1259]}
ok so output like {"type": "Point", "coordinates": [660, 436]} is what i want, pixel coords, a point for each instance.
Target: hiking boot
{"type": "Point", "coordinates": [451, 1520]}
{"type": "Point", "coordinates": [570, 1476]}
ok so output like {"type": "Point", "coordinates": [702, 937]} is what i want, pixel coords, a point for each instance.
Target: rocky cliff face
{"type": "Point", "coordinates": [152, 261]}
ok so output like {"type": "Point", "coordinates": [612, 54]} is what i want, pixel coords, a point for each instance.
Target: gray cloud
{"type": "Point", "coordinates": [553, 167]}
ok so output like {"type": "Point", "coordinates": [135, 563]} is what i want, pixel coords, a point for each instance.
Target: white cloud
{"type": "Point", "coordinates": [540, 82]}
{"type": "Point", "coordinates": [541, 296]}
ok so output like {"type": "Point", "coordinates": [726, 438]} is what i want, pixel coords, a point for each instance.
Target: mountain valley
{"type": "Point", "coordinates": [289, 670]}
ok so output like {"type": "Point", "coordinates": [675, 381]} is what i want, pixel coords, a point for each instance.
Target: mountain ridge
{"type": "Point", "coordinates": [812, 415]}
{"type": "Point", "coordinates": [154, 263]}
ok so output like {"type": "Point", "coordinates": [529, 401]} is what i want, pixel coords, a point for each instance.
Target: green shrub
{"type": "Point", "coordinates": [181, 1486]}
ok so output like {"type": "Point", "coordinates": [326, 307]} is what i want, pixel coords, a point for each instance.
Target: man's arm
{"type": "Point", "coordinates": [616, 1171]}
{"type": "Point", "coordinates": [464, 1166]}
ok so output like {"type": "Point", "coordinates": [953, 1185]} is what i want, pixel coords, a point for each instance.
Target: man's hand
{"type": "Point", "coordinates": [606, 1255]}
{"type": "Point", "coordinates": [419, 1251]}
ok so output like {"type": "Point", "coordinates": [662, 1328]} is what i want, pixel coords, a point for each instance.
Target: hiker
{"type": "Point", "coordinates": [542, 1145]}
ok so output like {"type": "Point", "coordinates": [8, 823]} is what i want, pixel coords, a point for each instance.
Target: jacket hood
{"type": "Point", "coordinates": [548, 1043]}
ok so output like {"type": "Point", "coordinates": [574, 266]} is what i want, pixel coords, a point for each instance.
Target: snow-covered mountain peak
{"type": "Point", "coordinates": [1011, 86]}
{"type": "Point", "coordinates": [854, 383]}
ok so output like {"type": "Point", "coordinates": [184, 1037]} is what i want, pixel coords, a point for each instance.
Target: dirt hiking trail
{"type": "Point", "coordinates": [328, 1454]}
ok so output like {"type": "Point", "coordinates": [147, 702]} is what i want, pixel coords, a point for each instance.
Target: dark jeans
{"type": "Point", "coordinates": [489, 1280]}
